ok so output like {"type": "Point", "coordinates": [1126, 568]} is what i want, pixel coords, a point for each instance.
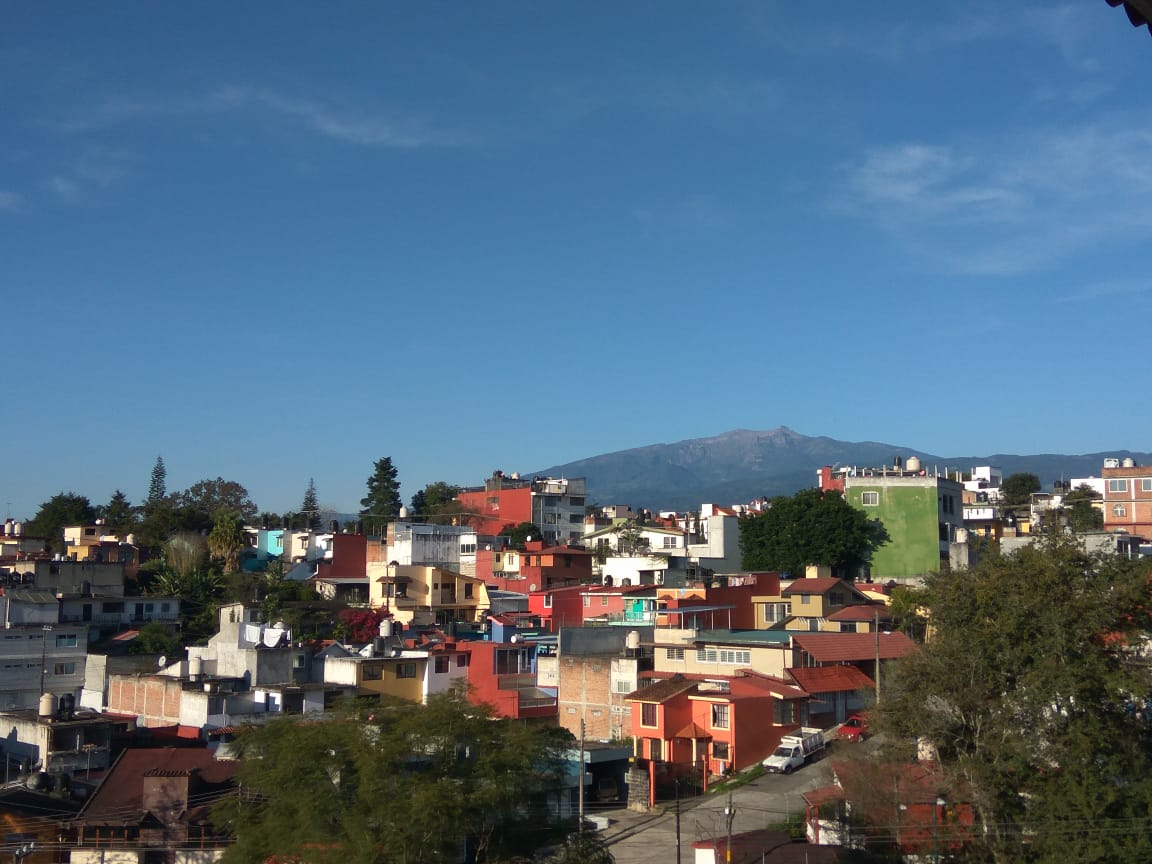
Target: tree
{"type": "Point", "coordinates": [58, 512]}
{"type": "Point", "coordinates": [433, 498]}
{"type": "Point", "coordinates": [397, 783]}
{"type": "Point", "coordinates": [518, 534]}
{"type": "Point", "coordinates": [118, 514]}
{"type": "Point", "coordinates": [1033, 694]}
{"type": "Point", "coordinates": [810, 527]}
{"type": "Point", "coordinates": [204, 498]}
{"type": "Point", "coordinates": [1082, 515]}
{"type": "Point", "coordinates": [630, 540]}
{"type": "Point", "coordinates": [383, 499]}
{"type": "Point", "coordinates": [158, 486]}
{"type": "Point", "coordinates": [1017, 489]}
{"type": "Point", "coordinates": [227, 538]}
{"type": "Point", "coordinates": [310, 509]}
{"type": "Point", "coordinates": [587, 847]}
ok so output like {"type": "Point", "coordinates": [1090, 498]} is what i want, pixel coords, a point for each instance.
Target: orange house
{"type": "Point", "coordinates": [725, 724]}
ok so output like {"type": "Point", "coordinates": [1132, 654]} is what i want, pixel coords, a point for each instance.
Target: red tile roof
{"type": "Point", "coordinates": [830, 679]}
{"type": "Point", "coordinates": [821, 585]}
{"type": "Point", "coordinates": [861, 612]}
{"type": "Point", "coordinates": [664, 690]}
{"type": "Point", "coordinates": [848, 647]}
{"type": "Point", "coordinates": [119, 799]}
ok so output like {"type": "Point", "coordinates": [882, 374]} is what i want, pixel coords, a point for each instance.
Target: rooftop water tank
{"type": "Point", "coordinates": [47, 705]}
{"type": "Point", "coordinates": [912, 463]}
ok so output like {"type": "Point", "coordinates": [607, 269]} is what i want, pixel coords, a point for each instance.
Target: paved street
{"type": "Point", "coordinates": [638, 838]}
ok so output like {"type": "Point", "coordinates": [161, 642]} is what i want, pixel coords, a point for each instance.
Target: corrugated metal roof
{"type": "Point", "coordinates": [846, 647]}
{"type": "Point", "coordinates": [830, 679]}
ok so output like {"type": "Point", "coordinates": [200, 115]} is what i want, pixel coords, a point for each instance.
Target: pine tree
{"type": "Point", "coordinates": [158, 488]}
{"type": "Point", "coordinates": [310, 509]}
{"type": "Point", "coordinates": [383, 498]}
{"type": "Point", "coordinates": [119, 515]}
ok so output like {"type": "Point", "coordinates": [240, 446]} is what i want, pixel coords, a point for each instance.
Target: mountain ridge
{"type": "Point", "coordinates": [741, 464]}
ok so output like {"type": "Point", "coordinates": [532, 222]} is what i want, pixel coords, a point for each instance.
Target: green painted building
{"type": "Point", "coordinates": [921, 513]}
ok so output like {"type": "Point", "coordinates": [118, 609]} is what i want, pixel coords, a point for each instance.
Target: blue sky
{"type": "Point", "coordinates": [279, 241]}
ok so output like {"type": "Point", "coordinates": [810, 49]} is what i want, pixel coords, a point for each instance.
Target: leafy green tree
{"type": "Point", "coordinates": [1080, 512]}
{"type": "Point", "coordinates": [226, 540]}
{"type": "Point", "coordinates": [310, 508]}
{"type": "Point", "coordinates": [118, 514]}
{"type": "Point", "coordinates": [518, 534]}
{"type": "Point", "coordinates": [158, 485]}
{"type": "Point", "coordinates": [382, 502]}
{"type": "Point", "coordinates": [155, 638]}
{"type": "Point", "coordinates": [433, 498]}
{"type": "Point", "coordinates": [630, 540]}
{"type": "Point", "coordinates": [404, 784]}
{"type": "Point", "coordinates": [1032, 691]}
{"type": "Point", "coordinates": [185, 553]}
{"type": "Point", "coordinates": [810, 527]}
{"type": "Point", "coordinates": [202, 500]}
{"type": "Point", "coordinates": [57, 513]}
{"type": "Point", "coordinates": [1017, 489]}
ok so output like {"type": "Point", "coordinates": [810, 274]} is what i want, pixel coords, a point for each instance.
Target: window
{"type": "Point", "coordinates": [720, 751]}
{"type": "Point", "coordinates": [785, 712]}
{"type": "Point", "coordinates": [1119, 510]}
{"type": "Point", "coordinates": [596, 712]}
{"type": "Point", "coordinates": [575, 519]}
{"type": "Point", "coordinates": [587, 600]}
{"type": "Point", "coordinates": [1117, 485]}
{"type": "Point", "coordinates": [547, 601]}
{"type": "Point", "coordinates": [870, 499]}
{"type": "Point", "coordinates": [467, 548]}
{"type": "Point", "coordinates": [468, 586]}
{"type": "Point", "coordinates": [648, 715]}
{"type": "Point", "coordinates": [64, 669]}
{"type": "Point", "coordinates": [441, 665]}
{"type": "Point", "coordinates": [66, 640]}
{"type": "Point", "coordinates": [719, 716]}
{"type": "Point", "coordinates": [671, 542]}
{"type": "Point", "coordinates": [375, 672]}
{"type": "Point", "coordinates": [623, 687]}
{"type": "Point", "coordinates": [297, 661]}
{"type": "Point", "coordinates": [575, 501]}
{"type": "Point", "coordinates": [655, 750]}
{"type": "Point", "coordinates": [1146, 484]}
{"type": "Point", "coordinates": [549, 518]}
{"type": "Point", "coordinates": [674, 653]}
{"type": "Point", "coordinates": [405, 670]}
{"type": "Point", "coordinates": [461, 661]}
{"type": "Point", "coordinates": [604, 600]}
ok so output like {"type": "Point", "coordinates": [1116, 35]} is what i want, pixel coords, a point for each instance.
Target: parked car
{"type": "Point", "coordinates": [854, 729]}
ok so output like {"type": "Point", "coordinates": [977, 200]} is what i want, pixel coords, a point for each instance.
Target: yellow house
{"type": "Point", "coordinates": [428, 596]}
{"type": "Point", "coordinates": [719, 653]}
{"type": "Point", "coordinates": [818, 602]}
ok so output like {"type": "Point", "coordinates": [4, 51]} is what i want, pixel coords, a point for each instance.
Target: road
{"type": "Point", "coordinates": [639, 838]}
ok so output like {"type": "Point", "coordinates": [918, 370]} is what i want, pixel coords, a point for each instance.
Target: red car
{"type": "Point", "coordinates": [854, 729]}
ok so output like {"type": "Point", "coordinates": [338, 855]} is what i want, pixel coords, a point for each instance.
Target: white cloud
{"type": "Point", "coordinates": [1112, 288]}
{"type": "Point", "coordinates": [1007, 205]}
{"type": "Point", "coordinates": [349, 125]}
{"type": "Point", "coordinates": [11, 201]}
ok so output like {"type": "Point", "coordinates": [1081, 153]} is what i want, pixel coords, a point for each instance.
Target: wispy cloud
{"type": "Point", "coordinates": [95, 170]}
{"type": "Point", "coordinates": [11, 201]}
{"type": "Point", "coordinates": [1005, 205]}
{"type": "Point", "coordinates": [1103, 290]}
{"type": "Point", "coordinates": [349, 125]}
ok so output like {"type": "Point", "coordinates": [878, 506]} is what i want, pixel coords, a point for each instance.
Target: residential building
{"type": "Point", "coordinates": [559, 607]}
{"type": "Point", "coordinates": [155, 807]}
{"type": "Point", "coordinates": [502, 673]}
{"type": "Point", "coordinates": [921, 511]}
{"type": "Point", "coordinates": [38, 653]}
{"type": "Point", "coordinates": [402, 672]}
{"type": "Point", "coordinates": [1127, 497]}
{"type": "Point", "coordinates": [544, 566]}
{"type": "Point", "coordinates": [861, 650]}
{"type": "Point", "coordinates": [56, 739]}
{"type": "Point", "coordinates": [723, 724]}
{"type": "Point", "coordinates": [597, 670]}
{"type": "Point", "coordinates": [424, 596]}
{"type": "Point", "coordinates": [811, 602]}
{"type": "Point", "coordinates": [721, 652]}
{"type": "Point", "coordinates": [556, 505]}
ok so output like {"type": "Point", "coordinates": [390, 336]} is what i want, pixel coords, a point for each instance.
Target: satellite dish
{"type": "Point", "coordinates": [162, 661]}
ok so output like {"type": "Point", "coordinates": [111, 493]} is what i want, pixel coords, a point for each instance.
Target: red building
{"type": "Point", "coordinates": [555, 505]}
{"type": "Point", "coordinates": [619, 604]}
{"type": "Point", "coordinates": [558, 607]}
{"type": "Point", "coordinates": [727, 724]}
{"type": "Point", "coordinates": [1128, 499]}
{"type": "Point", "coordinates": [503, 675]}
{"type": "Point", "coordinates": [735, 596]}
{"type": "Point", "coordinates": [554, 566]}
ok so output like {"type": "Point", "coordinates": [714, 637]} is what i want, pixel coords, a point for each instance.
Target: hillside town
{"type": "Point", "coordinates": [662, 659]}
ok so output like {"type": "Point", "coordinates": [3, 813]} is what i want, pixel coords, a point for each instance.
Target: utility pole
{"type": "Point", "coordinates": [47, 628]}
{"type": "Point", "coordinates": [580, 780]}
{"type": "Point", "coordinates": [731, 814]}
{"type": "Point", "coordinates": [877, 628]}
{"type": "Point", "coordinates": [677, 820]}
